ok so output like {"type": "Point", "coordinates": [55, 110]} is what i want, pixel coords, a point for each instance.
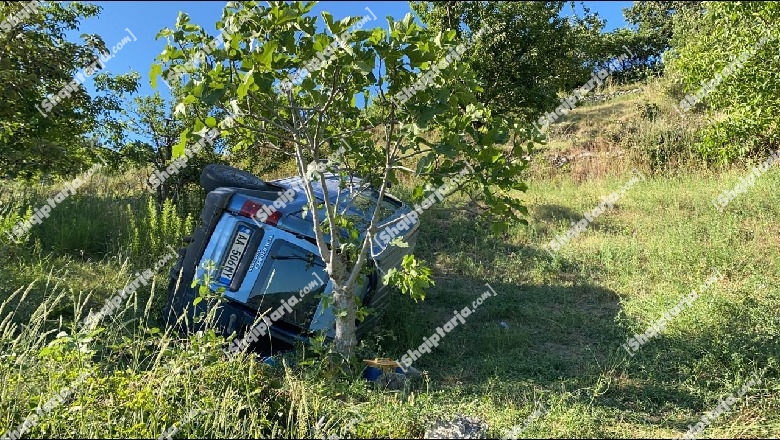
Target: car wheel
{"type": "Point", "coordinates": [216, 176]}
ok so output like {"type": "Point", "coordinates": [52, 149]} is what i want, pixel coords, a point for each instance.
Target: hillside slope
{"type": "Point", "coordinates": [557, 336]}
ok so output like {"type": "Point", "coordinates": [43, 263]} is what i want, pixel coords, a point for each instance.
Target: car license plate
{"type": "Point", "coordinates": [230, 266]}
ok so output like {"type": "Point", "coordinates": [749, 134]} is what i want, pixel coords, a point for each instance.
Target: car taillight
{"type": "Point", "coordinates": [250, 208]}
{"type": "Point", "coordinates": [273, 219]}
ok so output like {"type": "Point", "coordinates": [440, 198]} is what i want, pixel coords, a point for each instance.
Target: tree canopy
{"type": "Point", "coordinates": [36, 137]}
{"type": "Point", "coordinates": [728, 56]}
{"type": "Point", "coordinates": [529, 51]}
{"type": "Point", "coordinates": [411, 75]}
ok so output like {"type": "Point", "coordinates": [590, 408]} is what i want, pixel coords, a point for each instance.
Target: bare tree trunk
{"type": "Point", "coordinates": [163, 193]}
{"type": "Point", "coordinates": [344, 308]}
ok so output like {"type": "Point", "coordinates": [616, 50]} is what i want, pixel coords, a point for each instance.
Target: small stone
{"type": "Point", "coordinates": [392, 381]}
{"type": "Point", "coordinates": [460, 427]}
{"type": "Point", "coordinates": [504, 325]}
{"type": "Point", "coordinates": [413, 373]}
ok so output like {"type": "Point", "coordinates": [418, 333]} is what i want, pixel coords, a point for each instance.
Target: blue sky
{"type": "Point", "coordinates": [145, 19]}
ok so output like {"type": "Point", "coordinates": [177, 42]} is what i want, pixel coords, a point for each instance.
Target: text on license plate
{"type": "Point", "coordinates": [237, 250]}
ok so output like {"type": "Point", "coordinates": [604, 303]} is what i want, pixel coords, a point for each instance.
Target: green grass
{"type": "Point", "coordinates": [567, 317]}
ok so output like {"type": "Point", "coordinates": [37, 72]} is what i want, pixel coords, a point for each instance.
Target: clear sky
{"type": "Point", "coordinates": [145, 18]}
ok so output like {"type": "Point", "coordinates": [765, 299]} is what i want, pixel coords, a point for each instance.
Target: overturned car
{"type": "Point", "coordinates": [256, 244]}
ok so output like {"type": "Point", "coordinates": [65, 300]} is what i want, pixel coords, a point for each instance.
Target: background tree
{"type": "Point", "coordinates": [529, 52]}
{"type": "Point", "coordinates": [144, 131]}
{"type": "Point", "coordinates": [642, 60]}
{"type": "Point", "coordinates": [311, 119]}
{"type": "Point", "coordinates": [58, 143]}
{"type": "Point", "coordinates": [654, 23]}
{"type": "Point", "coordinates": [745, 103]}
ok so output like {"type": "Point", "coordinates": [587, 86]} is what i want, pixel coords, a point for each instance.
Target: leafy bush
{"type": "Point", "coordinates": [744, 104]}
{"type": "Point", "coordinates": [101, 219]}
{"type": "Point", "coordinates": [11, 215]}
{"type": "Point", "coordinates": [649, 110]}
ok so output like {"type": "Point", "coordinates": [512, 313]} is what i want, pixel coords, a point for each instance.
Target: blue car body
{"type": "Point", "coordinates": [262, 264]}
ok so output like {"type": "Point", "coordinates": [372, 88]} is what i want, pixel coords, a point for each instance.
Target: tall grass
{"type": "Point", "coordinates": [564, 319]}
{"type": "Point", "coordinates": [141, 379]}
{"type": "Point", "coordinates": [103, 219]}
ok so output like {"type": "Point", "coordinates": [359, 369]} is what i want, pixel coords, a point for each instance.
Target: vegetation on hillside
{"type": "Point", "coordinates": [741, 97]}
{"type": "Point", "coordinates": [47, 119]}
{"type": "Point", "coordinates": [559, 332]}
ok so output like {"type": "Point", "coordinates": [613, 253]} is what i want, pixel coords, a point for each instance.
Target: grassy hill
{"type": "Point", "coordinates": [553, 335]}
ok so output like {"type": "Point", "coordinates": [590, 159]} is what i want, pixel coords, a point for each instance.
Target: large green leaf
{"type": "Point", "coordinates": [265, 57]}
{"type": "Point", "coordinates": [243, 88]}
{"type": "Point", "coordinates": [154, 71]}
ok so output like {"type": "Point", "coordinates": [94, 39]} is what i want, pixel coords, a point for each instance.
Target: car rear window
{"type": "Point", "coordinates": [365, 203]}
{"type": "Point", "coordinates": [290, 271]}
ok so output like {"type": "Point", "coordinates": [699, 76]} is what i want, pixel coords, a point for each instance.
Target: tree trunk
{"type": "Point", "coordinates": [343, 301]}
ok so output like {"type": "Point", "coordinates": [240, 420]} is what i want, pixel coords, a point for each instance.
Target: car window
{"type": "Point", "coordinates": [365, 203]}
{"type": "Point", "coordinates": [290, 271]}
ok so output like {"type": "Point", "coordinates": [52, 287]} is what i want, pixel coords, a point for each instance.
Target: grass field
{"type": "Point", "coordinates": [569, 315]}
{"type": "Point", "coordinates": [566, 318]}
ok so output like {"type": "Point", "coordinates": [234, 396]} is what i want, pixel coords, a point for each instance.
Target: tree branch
{"type": "Point", "coordinates": [307, 186]}
{"type": "Point", "coordinates": [375, 217]}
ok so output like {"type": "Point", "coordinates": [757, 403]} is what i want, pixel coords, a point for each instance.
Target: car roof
{"type": "Point", "coordinates": [294, 221]}
{"type": "Point", "coordinates": [332, 182]}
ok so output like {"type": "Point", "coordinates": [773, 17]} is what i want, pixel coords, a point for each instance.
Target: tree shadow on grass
{"type": "Point", "coordinates": [546, 217]}
{"type": "Point", "coordinates": [547, 213]}
{"type": "Point", "coordinates": [561, 336]}
{"type": "Point", "coordinates": [545, 333]}
{"type": "Point", "coordinates": [680, 377]}
{"type": "Point", "coordinates": [540, 333]}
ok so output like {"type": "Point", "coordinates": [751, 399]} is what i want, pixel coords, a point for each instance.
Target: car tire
{"type": "Point", "coordinates": [216, 176]}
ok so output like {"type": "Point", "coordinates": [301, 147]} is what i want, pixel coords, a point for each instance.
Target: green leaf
{"type": "Point", "coordinates": [418, 192]}
{"type": "Point", "coordinates": [154, 72]}
{"type": "Point", "coordinates": [166, 32]}
{"type": "Point", "coordinates": [245, 85]}
{"type": "Point", "coordinates": [377, 35]}
{"type": "Point", "coordinates": [399, 242]}
{"type": "Point", "coordinates": [265, 57]}
{"type": "Point", "coordinates": [523, 210]}
{"type": "Point", "coordinates": [364, 67]}
{"type": "Point", "coordinates": [178, 149]}
{"type": "Point", "coordinates": [333, 26]}
{"type": "Point", "coordinates": [213, 96]}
